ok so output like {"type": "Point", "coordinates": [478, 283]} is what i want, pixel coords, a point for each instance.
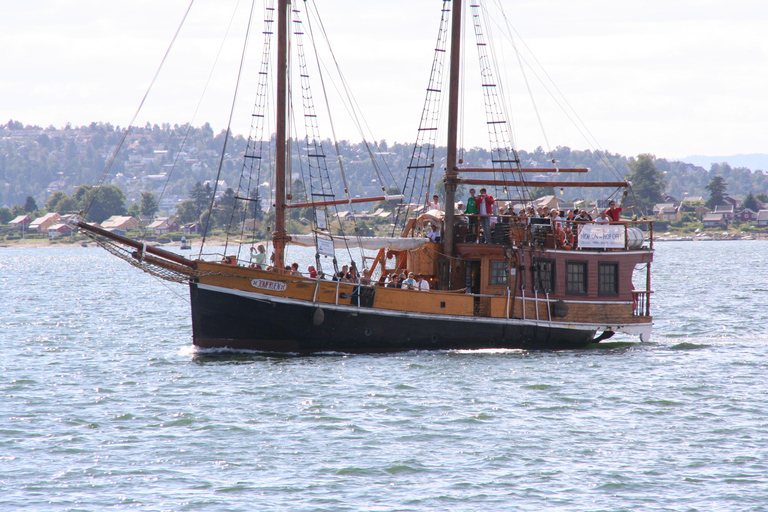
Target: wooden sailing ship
{"type": "Point", "coordinates": [530, 284]}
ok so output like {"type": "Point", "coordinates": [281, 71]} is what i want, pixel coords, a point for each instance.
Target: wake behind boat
{"type": "Point", "coordinates": [497, 278]}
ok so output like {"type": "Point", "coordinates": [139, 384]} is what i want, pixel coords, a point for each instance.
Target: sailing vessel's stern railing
{"type": "Point", "coordinates": [641, 301]}
{"type": "Point", "coordinates": [537, 232]}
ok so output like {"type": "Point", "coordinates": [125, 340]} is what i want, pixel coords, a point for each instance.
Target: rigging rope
{"type": "Point", "coordinates": [92, 193]}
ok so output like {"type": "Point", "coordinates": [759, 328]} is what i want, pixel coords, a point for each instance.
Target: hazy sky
{"type": "Point", "coordinates": [673, 77]}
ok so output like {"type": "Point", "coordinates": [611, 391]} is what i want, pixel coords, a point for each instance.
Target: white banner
{"type": "Point", "coordinates": [597, 236]}
{"type": "Point", "coordinates": [325, 247]}
{"type": "Point", "coordinates": [320, 217]}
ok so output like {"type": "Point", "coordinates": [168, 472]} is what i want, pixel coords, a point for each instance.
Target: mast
{"type": "Point", "coordinates": [451, 172]}
{"type": "Point", "coordinates": [279, 236]}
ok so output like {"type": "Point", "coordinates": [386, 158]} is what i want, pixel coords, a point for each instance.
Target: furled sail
{"type": "Point", "coordinates": [371, 243]}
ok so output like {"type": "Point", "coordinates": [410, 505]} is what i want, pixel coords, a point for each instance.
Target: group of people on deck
{"type": "Point", "coordinates": [411, 282]}
{"type": "Point", "coordinates": [480, 214]}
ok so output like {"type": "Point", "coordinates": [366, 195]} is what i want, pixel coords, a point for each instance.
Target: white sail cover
{"type": "Point", "coordinates": [368, 242]}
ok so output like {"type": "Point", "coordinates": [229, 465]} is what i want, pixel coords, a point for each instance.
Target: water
{"type": "Point", "coordinates": [106, 406]}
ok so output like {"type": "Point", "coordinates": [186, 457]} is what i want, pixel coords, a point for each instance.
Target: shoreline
{"type": "Point", "coordinates": [718, 236]}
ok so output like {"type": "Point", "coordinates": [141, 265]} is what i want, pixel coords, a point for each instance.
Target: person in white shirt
{"type": "Point", "coordinates": [434, 204]}
{"type": "Point", "coordinates": [603, 218]}
{"type": "Point", "coordinates": [434, 234]}
{"type": "Point", "coordinates": [422, 284]}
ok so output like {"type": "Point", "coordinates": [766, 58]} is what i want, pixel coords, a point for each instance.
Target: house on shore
{"type": "Point", "coordinates": [714, 221]}
{"type": "Point", "coordinates": [120, 224]}
{"type": "Point", "coordinates": [762, 219]}
{"type": "Point", "coordinates": [21, 222]}
{"type": "Point", "coordinates": [41, 224]}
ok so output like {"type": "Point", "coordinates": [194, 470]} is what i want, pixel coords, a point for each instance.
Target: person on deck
{"type": "Point", "coordinates": [341, 275]}
{"type": "Point", "coordinates": [484, 203]}
{"type": "Point", "coordinates": [410, 283]}
{"type": "Point", "coordinates": [312, 272]}
{"type": "Point", "coordinates": [422, 284]}
{"type": "Point", "coordinates": [434, 234]}
{"type": "Point", "coordinates": [434, 204]}
{"type": "Point", "coordinates": [471, 211]}
{"type": "Point", "coordinates": [258, 258]}
{"type": "Point", "coordinates": [614, 211]}
{"type": "Point", "coordinates": [603, 218]}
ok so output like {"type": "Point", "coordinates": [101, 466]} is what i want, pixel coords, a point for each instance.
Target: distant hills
{"type": "Point", "coordinates": [754, 161]}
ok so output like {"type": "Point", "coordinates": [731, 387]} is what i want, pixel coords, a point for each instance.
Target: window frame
{"type": "Point", "coordinates": [537, 274]}
{"type": "Point", "coordinates": [500, 267]}
{"type": "Point", "coordinates": [583, 274]}
{"type": "Point", "coordinates": [601, 291]}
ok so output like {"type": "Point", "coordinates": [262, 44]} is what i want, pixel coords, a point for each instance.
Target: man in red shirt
{"type": "Point", "coordinates": [484, 203]}
{"type": "Point", "coordinates": [614, 211]}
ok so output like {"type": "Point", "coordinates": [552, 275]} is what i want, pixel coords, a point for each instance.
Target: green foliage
{"type": "Point", "coordinates": [186, 212]}
{"type": "Point", "coordinates": [107, 201]}
{"type": "Point", "coordinates": [148, 204]}
{"type": "Point", "coordinates": [5, 215]}
{"type": "Point", "coordinates": [51, 203]}
{"type": "Point", "coordinates": [717, 190]}
{"type": "Point", "coordinates": [134, 210]}
{"type": "Point", "coordinates": [750, 202]}
{"type": "Point", "coordinates": [647, 181]}
{"type": "Point", "coordinates": [30, 205]}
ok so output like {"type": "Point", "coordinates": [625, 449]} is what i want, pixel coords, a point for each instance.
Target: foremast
{"type": "Point", "coordinates": [279, 235]}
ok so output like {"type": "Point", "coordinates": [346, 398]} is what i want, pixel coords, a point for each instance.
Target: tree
{"type": "Point", "coordinates": [108, 200]}
{"type": "Point", "coordinates": [186, 212]}
{"type": "Point", "coordinates": [57, 196]}
{"type": "Point", "coordinates": [5, 215]}
{"type": "Point", "coordinates": [717, 190]}
{"type": "Point", "coordinates": [30, 205]}
{"type": "Point", "coordinates": [148, 204]}
{"type": "Point", "coordinates": [750, 202]}
{"type": "Point", "coordinates": [201, 196]}
{"type": "Point", "coordinates": [255, 205]}
{"type": "Point", "coordinates": [648, 182]}
{"type": "Point", "coordinates": [134, 210]}
{"type": "Point", "coordinates": [66, 205]}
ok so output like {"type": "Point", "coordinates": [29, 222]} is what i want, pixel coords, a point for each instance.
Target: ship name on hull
{"type": "Point", "coordinates": [264, 284]}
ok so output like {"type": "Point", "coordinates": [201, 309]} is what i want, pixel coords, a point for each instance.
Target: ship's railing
{"type": "Point", "coordinates": [537, 232]}
{"type": "Point", "coordinates": [641, 301]}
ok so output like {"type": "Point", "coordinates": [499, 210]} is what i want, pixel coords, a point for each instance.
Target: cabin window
{"type": "Point", "coordinates": [576, 277]}
{"type": "Point", "coordinates": [544, 275]}
{"type": "Point", "coordinates": [608, 278]}
{"type": "Point", "coordinates": [498, 273]}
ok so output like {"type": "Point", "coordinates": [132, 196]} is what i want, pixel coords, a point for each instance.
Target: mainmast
{"type": "Point", "coordinates": [279, 235]}
{"type": "Point", "coordinates": [450, 178]}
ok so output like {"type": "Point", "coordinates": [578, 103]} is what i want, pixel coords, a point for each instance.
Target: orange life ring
{"type": "Point", "coordinates": [565, 238]}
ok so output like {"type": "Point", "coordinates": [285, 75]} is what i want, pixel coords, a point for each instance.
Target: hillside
{"type": "Point", "coordinates": [168, 160]}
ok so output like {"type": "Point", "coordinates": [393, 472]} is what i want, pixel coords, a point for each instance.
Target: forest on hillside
{"type": "Point", "coordinates": [169, 161]}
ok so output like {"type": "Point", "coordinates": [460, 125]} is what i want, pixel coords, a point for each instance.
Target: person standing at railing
{"type": "Point", "coordinates": [614, 212]}
{"type": "Point", "coordinates": [484, 203]}
{"type": "Point", "coordinates": [471, 211]}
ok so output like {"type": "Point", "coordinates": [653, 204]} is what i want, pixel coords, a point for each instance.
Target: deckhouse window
{"type": "Point", "coordinates": [608, 278]}
{"type": "Point", "coordinates": [498, 273]}
{"type": "Point", "coordinates": [576, 277]}
{"type": "Point", "coordinates": [544, 275]}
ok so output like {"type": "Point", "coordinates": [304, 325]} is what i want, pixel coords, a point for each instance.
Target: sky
{"type": "Point", "coordinates": [672, 78]}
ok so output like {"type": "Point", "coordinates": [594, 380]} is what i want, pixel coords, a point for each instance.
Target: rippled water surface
{"type": "Point", "coordinates": [105, 405]}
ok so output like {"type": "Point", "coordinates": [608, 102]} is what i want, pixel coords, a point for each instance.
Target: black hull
{"type": "Point", "coordinates": [223, 319]}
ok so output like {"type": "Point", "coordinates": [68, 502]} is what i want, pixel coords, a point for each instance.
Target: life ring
{"type": "Point", "coordinates": [565, 238]}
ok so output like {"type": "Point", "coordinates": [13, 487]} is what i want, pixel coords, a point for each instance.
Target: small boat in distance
{"type": "Point", "coordinates": [474, 279]}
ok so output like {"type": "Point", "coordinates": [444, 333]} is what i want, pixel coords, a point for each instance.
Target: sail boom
{"type": "Point", "coordinates": [354, 200]}
{"type": "Point", "coordinates": [524, 169]}
{"type": "Point", "coordinates": [562, 184]}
